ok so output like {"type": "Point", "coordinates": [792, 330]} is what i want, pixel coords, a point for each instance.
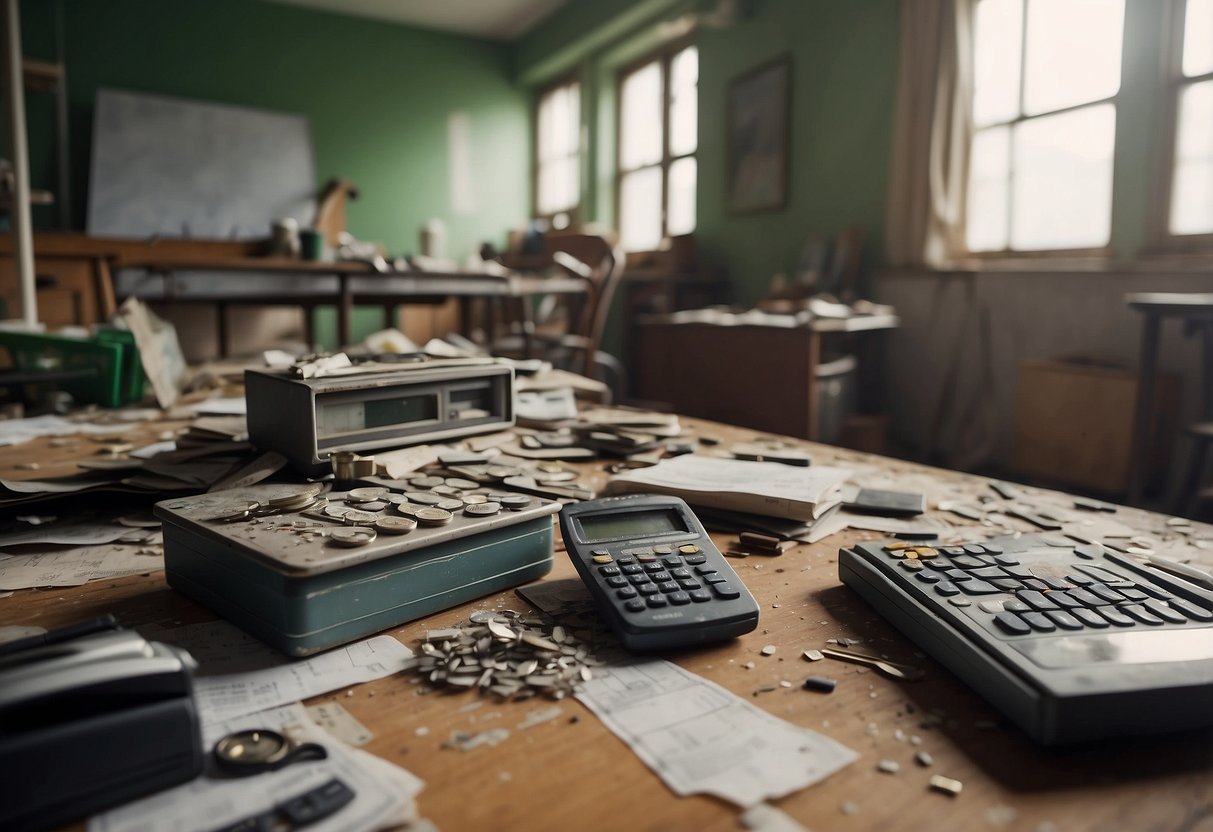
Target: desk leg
{"type": "Point", "coordinates": [345, 311]}
{"type": "Point", "coordinates": [1143, 412]}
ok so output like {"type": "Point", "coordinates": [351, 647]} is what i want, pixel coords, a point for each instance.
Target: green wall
{"type": "Point", "coordinates": [377, 95]}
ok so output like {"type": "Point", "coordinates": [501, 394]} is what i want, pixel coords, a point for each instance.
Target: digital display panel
{"type": "Point", "coordinates": [350, 417]}
{"type": "Point", "coordinates": [631, 524]}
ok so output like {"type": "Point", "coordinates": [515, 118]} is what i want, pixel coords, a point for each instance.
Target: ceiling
{"type": "Point", "coordinates": [495, 19]}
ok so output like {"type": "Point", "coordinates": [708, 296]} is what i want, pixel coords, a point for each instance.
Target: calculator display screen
{"type": "Point", "coordinates": [334, 418]}
{"type": "Point", "coordinates": [631, 524]}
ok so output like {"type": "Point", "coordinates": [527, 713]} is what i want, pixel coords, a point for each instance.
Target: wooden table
{"type": "Point", "coordinates": [572, 773]}
{"type": "Point", "coordinates": [310, 284]}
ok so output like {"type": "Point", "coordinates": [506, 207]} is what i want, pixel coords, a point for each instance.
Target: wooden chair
{"type": "Point", "coordinates": [567, 329]}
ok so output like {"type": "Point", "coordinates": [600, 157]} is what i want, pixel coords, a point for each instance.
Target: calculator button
{"type": "Point", "coordinates": [694, 560]}
{"type": "Point", "coordinates": [978, 588]}
{"type": "Point", "coordinates": [1089, 617]}
{"type": "Point", "coordinates": [1133, 594]}
{"type": "Point", "coordinates": [647, 589]}
{"type": "Point", "coordinates": [617, 581]}
{"type": "Point", "coordinates": [988, 572]}
{"type": "Point", "coordinates": [1035, 600]}
{"type": "Point", "coordinates": [638, 579]}
{"type": "Point", "coordinates": [1065, 599]}
{"type": "Point", "coordinates": [635, 605]}
{"type": "Point", "coordinates": [958, 601]}
{"type": "Point", "coordinates": [653, 567]}
{"type": "Point", "coordinates": [671, 562]}
{"type": "Point", "coordinates": [643, 552]}
{"type": "Point", "coordinates": [957, 575]}
{"type": "Point", "coordinates": [1164, 612]}
{"type": "Point", "coordinates": [656, 601]}
{"type": "Point", "coordinates": [626, 592]}
{"type": "Point", "coordinates": [1054, 583]}
{"type": "Point", "coordinates": [689, 549]}
{"type": "Point", "coordinates": [969, 562]}
{"type": "Point", "coordinates": [974, 548]}
{"type": "Point", "coordinates": [599, 552]}
{"type": "Point", "coordinates": [952, 550]}
{"type": "Point", "coordinates": [1007, 584]}
{"type": "Point", "coordinates": [668, 586]}
{"type": "Point", "coordinates": [700, 595]}
{"type": "Point", "coordinates": [1088, 599]}
{"type": "Point", "coordinates": [1105, 592]}
{"type": "Point", "coordinates": [681, 573]}
{"type": "Point", "coordinates": [625, 561]}
{"type": "Point", "coordinates": [1140, 613]}
{"type": "Point", "coordinates": [663, 549]}
{"type": "Point", "coordinates": [991, 607]}
{"type": "Point", "coordinates": [992, 548]}
{"type": "Point", "coordinates": [1016, 606]}
{"type": "Point", "coordinates": [647, 560]}
{"type": "Point", "coordinates": [714, 578]}
{"type": "Point", "coordinates": [679, 598]}
{"type": "Point", "coordinates": [929, 576]}
{"type": "Point", "coordinates": [1064, 620]}
{"type": "Point", "coordinates": [1079, 580]}
{"type": "Point", "coordinates": [1039, 622]}
{"type": "Point", "coordinates": [602, 558]}
{"type": "Point", "coordinates": [706, 570]}
{"type": "Point", "coordinates": [726, 590]}
{"type": "Point", "coordinates": [1006, 560]}
{"type": "Point", "coordinates": [1011, 623]}
{"type": "Point", "coordinates": [946, 588]}
{"type": "Point", "coordinates": [1116, 616]}
{"type": "Point", "coordinates": [658, 577]}
{"type": "Point", "coordinates": [632, 569]}
{"type": "Point", "coordinates": [1017, 571]}
{"type": "Point", "coordinates": [689, 584]}
{"type": "Point", "coordinates": [910, 565]}
{"type": "Point", "coordinates": [1036, 584]}
{"type": "Point", "coordinates": [1191, 610]}
{"type": "Point", "coordinates": [608, 570]}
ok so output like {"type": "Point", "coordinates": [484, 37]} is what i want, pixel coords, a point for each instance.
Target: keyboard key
{"type": "Point", "coordinates": [957, 575]}
{"type": "Point", "coordinates": [706, 570]}
{"type": "Point", "coordinates": [1133, 593]}
{"type": "Point", "coordinates": [671, 562]}
{"type": "Point", "coordinates": [1065, 599]}
{"type": "Point", "coordinates": [679, 598]}
{"type": "Point", "coordinates": [1007, 584]}
{"type": "Point", "coordinates": [992, 548]}
{"type": "Point", "coordinates": [946, 588]}
{"type": "Point", "coordinates": [1156, 592]}
{"type": "Point", "coordinates": [1140, 613]}
{"type": "Point", "coordinates": [1006, 560]}
{"type": "Point", "coordinates": [603, 558]}
{"type": "Point", "coordinates": [657, 601]}
{"type": "Point", "coordinates": [960, 601]}
{"type": "Point", "coordinates": [969, 562]}
{"type": "Point", "coordinates": [626, 592]}
{"type": "Point", "coordinates": [1036, 584]}
{"type": "Point", "coordinates": [1164, 612]}
{"type": "Point", "coordinates": [695, 560]}
{"type": "Point", "coordinates": [1191, 610]}
{"type": "Point", "coordinates": [714, 578]}
{"type": "Point", "coordinates": [1064, 620]}
{"type": "Point", "coordinates": [1115, 616]}
{"type": "Point", "coordinates": [653, 567]}
{"type": "Point", "coordinates": [625, 561]}
{"type": "Point", "coordinates": [1054, 583]}
{"type": "Point", "coordinates": [1035, 600]}
{"type": "Point", "coordinates": [1089, 551]}
{"type": "Point", "coordinates": [1039, 622]}
{"type": "Point", "coordinates": [689, 584]}
{"type": "Point", "coordinates": [639, 579]}
{"type": "Point", "coordinates": [1018, 571]}
{"type": "Point", "coordinates": [632, 569]}
{"type": "Point", "coordinates": [689, 549]}
{"type": "Point", "coordinates": [663, 549]}
{"type": "Point", "coordinates": [1079, 580]}
{"type": "Point", "coordinates": [1106, 592]}
{"type": "Point", "coordinates": [991, 606]}
{"type": "Point", "coordinates": [668, 586]}
{"type": "Point", "coordinates": [1089, 617]}
{"type": "Point", "coordinates": [974, 548]}
{"type": "Point", "coordinates": [617, 581]}
{"type": "Point", "coordinates": [635, 605]}
{"type": "Point", "coordinates": [952, 550]}
{"type": "Point", "coordinates": [1016, 606]}
{"type": "Point", "coordinates": [978, 588]}
{"type": "Point", "coordinates": [910, 565]}
{"type": "Point", "coordinates": [1088, 599]}
{"type": "Point", "coordinates": [647, 589]}
{"type": "Point", "coordinates": [681, 573]}
{"type": "Point", "coordinates": [608, 570]}
{"type": "Point", "coordinates": [726, 590]}
{"type": "Point", "coordinates": [987, 572]}
{"type": "Point", "coordinates": [929, 576]}
{"type": "Point", "coordinates": [700, 595]}
{"type": "Point", "coordinates": [659, 577]}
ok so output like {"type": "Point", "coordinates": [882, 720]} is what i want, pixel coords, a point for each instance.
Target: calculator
{"type": "Point", "coordinates": [1072, 642]}
{"type": "Point", "coordinates": [655, 573]}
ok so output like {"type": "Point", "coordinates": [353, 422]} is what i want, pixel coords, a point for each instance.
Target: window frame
{"type": "Point", "coordinates": [1160, 239]}
{"type": "Point", "coordinates": [664, 55]}
{"type": "Point", "coordinates": [574, 213]}
{"type": "Point", "coordinates": [1013, 256]}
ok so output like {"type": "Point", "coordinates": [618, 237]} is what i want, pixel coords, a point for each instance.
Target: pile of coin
{"type": "Point", "coordinates": [508, 654]}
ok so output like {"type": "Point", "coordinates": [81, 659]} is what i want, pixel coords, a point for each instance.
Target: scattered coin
{"type": "Point", "coordinates": [820, 684]}
{"type": "Point", "coordinates": [514, 501]}
{"type": "Point", "coordinates": [461, 484]}
{"type": "Point", "coordinates": [945, 784]}
{"type": "Point", "coordinates": [888, 766]}
{"type": "Point", "coordinates": [236, 512]}
{"type": "Point", "coordinates": [427, 482]}
{"type": "Point", "coordinates": [433, 516]}
{"type": "Point", "coordinates": [813, 655]}
{"type": "Point", "coordinates": [366, 495]}
{"type": "Point", "coordinates": [425, 498]}
{"type": "Point", "coordinates": [924, 759]}
{"type": "Point", "coordinates": [474, 499]}
{"type": "Point", "coordinates": [482, 509]}
{"type": "Point", "coordinates": [449, 505]}
{"type": "Point", "coordinates": [445, 490]}
{"type": "Point", "coordinates": [336, 511]}
{"type": "Point", "coordinates": [769, 650]}
{"type": "Point", "coordinates": [395, 525]}
{"type": "Point", "coordinates": [352, 538]}
{"type": "Point", "coordinates": [353, 517]}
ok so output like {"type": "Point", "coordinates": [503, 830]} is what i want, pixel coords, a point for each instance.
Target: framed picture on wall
{"type": "Point", "coordinates": [757, 142]}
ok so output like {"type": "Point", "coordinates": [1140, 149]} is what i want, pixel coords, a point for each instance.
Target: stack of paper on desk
{"type": "Point", "coordinates": [764, 488]}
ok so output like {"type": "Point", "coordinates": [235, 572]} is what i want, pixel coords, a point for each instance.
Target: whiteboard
{"type": "Point", "coordinates": [181, 168]}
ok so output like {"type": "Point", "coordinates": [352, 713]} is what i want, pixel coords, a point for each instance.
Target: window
{"type": "Point", "coordinates": [1046, 76]}
{"type": "Point", "coordinates": [558, 153]}
{"type": "Point", "coordinates": [1191, 208]}
{"type": "Point", "coordinates": [658, 136]}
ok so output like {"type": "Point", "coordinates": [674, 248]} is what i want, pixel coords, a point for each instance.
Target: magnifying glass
{"type": "Point", "coordinates": [258, 750]}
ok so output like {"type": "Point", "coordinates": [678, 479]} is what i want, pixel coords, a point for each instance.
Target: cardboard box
{"type": "Point", "coordinates": [1074, 424]}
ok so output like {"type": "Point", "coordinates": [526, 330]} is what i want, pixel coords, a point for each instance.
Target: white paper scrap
{"type": "Point", "coordinates": [383, 792]}
{"type": "Point", "coordinates": [65, 534]}
{"type": "Point", "coordinates": [763, 817]}
{"type": "Point", "coordinates": [340, 723]}
{"type": "Point", "coordinates": [16, 431]}
{"type": "Point", "coordinates": [268, 679]}
{"type": "Point", "coordinates": [77, 565]}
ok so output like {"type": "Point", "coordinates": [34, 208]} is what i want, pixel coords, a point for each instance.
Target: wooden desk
{"type": "Point", "coordinates": [764, 377]}
{"type": "Point", "coordinates": [342, 283]}
{"type": "Point", "coordinates": [571, 773]}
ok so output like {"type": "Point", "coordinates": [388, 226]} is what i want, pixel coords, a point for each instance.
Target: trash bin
{"type": "Point", "coordinates": [835, 397]}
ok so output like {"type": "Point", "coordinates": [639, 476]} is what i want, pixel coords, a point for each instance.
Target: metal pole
{"type": "Point", "coordinates": [23, 238]}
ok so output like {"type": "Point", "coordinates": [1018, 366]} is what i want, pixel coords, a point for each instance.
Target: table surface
{"type": "Point", "coordinates": [571, 772]}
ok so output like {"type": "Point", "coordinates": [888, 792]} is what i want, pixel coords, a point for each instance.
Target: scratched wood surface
{"type": "Point", "coordinates": [571, 773]}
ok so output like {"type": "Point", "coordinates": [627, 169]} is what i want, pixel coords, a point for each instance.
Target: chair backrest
{"type": "Point", "coordinates": [603, 265]}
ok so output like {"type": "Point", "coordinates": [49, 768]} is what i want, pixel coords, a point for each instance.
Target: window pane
{"type": "Point", "coordinates": [996, 52]}
{"type": "Point", "coordinates": [989, 190]}
{"type": "Point", "coordinates": [1192, 188]}
{"type": "Point", "coordinates": [684, 101]}
{"type": "Point", "coordinates": [1198, 38]}
{"type": "Point", "coordinates": [1062, 187]}
{"type": "Point", "coordinates": [640, 210]}
{"type": "Point", "coordinates": [680, 218]}
{"type": "Point", "coordinates": [1073, 52]}
{"type": "Point", "coordinates": [559, 123]}
{"type": "Point", "coordinates": [640, 138]}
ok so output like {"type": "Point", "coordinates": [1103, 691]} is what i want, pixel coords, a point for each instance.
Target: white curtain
{"type": "Point", "coordinates": [932, 128]}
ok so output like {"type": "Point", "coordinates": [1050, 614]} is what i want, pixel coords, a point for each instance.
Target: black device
{"type": "Point", "coordinates": [1071, 642]}
{"type": "Point", "coordinates": [655, 573]}
{"type": "Point", "coordinates": [91, 722]}
{"type": "Point", "coordinates": [887, 503]}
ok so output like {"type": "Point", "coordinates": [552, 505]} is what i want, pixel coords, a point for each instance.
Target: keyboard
{"type": "Point", "coordinates": [1071, 642]}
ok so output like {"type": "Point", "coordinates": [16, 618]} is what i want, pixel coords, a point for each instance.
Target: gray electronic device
{"type": "Point", "coordinates": [93, 722]}
{"type": "Point", "coordinates": [1073, 643]}
{"type": "Point", "coordinates": [655, 573]}
{"type": "Point", "coordinates": [306, 419]}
